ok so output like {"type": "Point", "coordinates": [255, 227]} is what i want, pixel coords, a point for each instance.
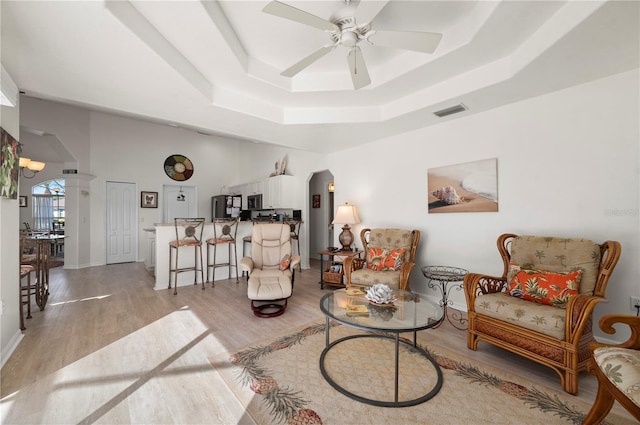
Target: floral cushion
{"type": "Point", "coordinates": [382, 259]}
{"type": "Point", "coordinates": [535, 316]}
{"type": "Point", "coordinates": [622, 367]}
{"type": "Point", "coordinates": [370, 277]}
{"type": "Point", "coordinates": [542, 286]}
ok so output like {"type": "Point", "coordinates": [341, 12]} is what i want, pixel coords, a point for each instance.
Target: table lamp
{"type": "Point", "coordinates": [346, 214]}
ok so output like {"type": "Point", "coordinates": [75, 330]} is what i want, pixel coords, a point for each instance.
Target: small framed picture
{"type": "Point", "coordinates": [316, 201]}
{"type": "Point", "coordinates": [22, 201]}
{"type": "Point", "coordinates": [148, 199]}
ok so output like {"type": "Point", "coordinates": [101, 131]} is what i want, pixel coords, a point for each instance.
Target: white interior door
{"type": "Point", "coordinates": [179, 201]}
{"type": "Point", "coordinates": [122, 223]}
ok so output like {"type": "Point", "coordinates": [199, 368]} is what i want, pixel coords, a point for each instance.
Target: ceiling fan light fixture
{"type": "Point", "coordinates": [349, 38]}
{"type": "Point", "coordinates": [344, 30]}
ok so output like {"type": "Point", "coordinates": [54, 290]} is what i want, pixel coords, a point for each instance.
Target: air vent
{"type": "Point", "coordinates": [450, 110]}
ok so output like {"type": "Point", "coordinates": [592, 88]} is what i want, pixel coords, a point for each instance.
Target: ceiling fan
{"type": "Point", "coordinates": [350, 30]}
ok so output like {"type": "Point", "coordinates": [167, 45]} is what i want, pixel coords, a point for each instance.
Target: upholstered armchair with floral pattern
{"type": "Point", "coordinates": [617, 368]}
{"type": "Point", "coordinates": [389, 256]}
{"type": "Point", "coordinates": [541, 306]}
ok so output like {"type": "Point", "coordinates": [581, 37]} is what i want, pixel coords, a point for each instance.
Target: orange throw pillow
{"type": "Point", "coordinates": [381, 259]}
{"type": "Point", "coordinates": [545, 287]}
{"type": "Point", "coordinates": [284, 263]}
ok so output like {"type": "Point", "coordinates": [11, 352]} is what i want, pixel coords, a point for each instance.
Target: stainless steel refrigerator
{"type": "Point", "coordinates": [226, 206]}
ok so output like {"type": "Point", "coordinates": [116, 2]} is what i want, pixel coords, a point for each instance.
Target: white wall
{"type": "Point", "coordinates": [319, 217]}
{"type": "Point", "coordinates": [567, 165]}
{"type": "Point", "coordinates": [10, 333]}
{"type": "Point", "coordinates": [70, 125]}
{"type": "Point", "coordinates": [131, 150]}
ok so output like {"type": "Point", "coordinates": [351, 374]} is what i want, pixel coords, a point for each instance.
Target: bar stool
{"type": "Point", "coordinates": [245, 240]}
{"type": "Point", "coordinates": [34, 253]}
{"type": "Point", "coordinates": [25, 289]}
{"type": "Point", "coordinates": [188, 234]}
{"type": "Point", "coordinates": [225, 231]}
{"type": "Point", "coordinates": [294, 226]}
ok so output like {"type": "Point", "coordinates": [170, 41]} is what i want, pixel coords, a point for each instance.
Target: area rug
{"type": "Point", "coordinates": [279, 381]}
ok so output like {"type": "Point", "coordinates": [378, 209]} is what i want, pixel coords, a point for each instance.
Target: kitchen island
{"type": "Point", "coordinates": [165, 233]}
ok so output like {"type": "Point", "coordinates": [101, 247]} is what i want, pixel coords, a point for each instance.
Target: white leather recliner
{"type": "Point", "coordinates": [271, 269]}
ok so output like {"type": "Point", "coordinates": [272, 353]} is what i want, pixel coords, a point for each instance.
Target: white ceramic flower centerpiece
{"type": "Point", "coordinates": [380, 294]}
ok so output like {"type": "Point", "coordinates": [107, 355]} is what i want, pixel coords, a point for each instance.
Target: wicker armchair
{"type": "Point", "coordinates": [555, 337]}
{"type": "Point", "coordinates": [617, 368]}
{"type": "Point", "coordinates": [358, 271]}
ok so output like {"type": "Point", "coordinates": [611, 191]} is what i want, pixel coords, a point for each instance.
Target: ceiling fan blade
{"type": "Point", "coordinates": [289, 12]}
{"type": "Point", "coordinates": [425, 42]}
{"type": "Point", "coordinates": [297, 67]}
{"type": "Point", "coordinates": [368, 9]}
{"type": "Point", "coordinates": [359, 73]}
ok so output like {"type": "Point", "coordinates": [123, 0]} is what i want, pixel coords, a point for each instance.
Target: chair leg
{"type": "Point", "coordinates": [175, 273]}
{"type": "Point", "coordinates": [195, 265]}
{"type": "Point", "coordinates": [235, 253]}
{"type": "Point", "coordinates": [201, 267]}
{"type": "Point", "coordinates": [29, 287]}
{"type": "Point", "coordinates": [300, 255]}
{"type": "Point", "coordinates": [170, 261]}
{"type": "Point", "coordinates": [570, 382]}
{"type": "Point", "coordinates": [20, 296]}
{"type": "Point", "coordinates": [601, 406]}
{"type": "Point", "coordinates": [213, 272]}
{"type": "Point", "coordinates": [208, 264]}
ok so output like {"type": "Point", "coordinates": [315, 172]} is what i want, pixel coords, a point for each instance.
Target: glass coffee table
{"type": "Point", "coordinates": [410, 313]}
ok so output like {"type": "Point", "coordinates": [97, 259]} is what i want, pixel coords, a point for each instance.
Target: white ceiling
{"type": "Point", "coordinates": [214, 66]}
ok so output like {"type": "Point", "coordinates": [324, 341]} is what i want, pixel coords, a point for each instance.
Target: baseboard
{"type": "Point", "coordinates": [11, 347]}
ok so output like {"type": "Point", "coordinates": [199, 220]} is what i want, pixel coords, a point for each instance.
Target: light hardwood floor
{"type": "Point", "coordinates": [110, 316]}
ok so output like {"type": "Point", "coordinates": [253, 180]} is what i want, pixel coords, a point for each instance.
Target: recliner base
{"type": "Point", "coordinates": [271, 309]}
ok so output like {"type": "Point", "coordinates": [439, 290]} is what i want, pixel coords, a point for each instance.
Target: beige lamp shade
{"type": "Point", "coordinates": [24, 162]}
{"type": "Point", "coordinates": [346, 214]}
{"type": "Point", "coordinates": [36, 166]}
{"type": "Point", "coordinates": [33, 166]}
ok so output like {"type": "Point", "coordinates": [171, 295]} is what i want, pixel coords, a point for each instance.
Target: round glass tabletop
{"type": "Point", "coordinates": [409, 312]}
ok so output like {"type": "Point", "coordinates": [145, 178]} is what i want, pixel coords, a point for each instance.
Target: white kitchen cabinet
{"type": "Point", "coordinates": [234, 190]}
{"type": "Point", "coordinates": [279, 192]}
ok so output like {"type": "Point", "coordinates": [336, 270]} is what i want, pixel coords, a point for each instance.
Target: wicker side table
{"type": "Point", "coordinates": [331, 255]}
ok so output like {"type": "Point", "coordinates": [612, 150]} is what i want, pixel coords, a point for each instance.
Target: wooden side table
{"type": "Point", "coordinates": [331, 255]}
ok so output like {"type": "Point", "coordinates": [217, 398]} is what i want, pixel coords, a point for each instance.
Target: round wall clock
{"type": "Point", "coordinates": [178, 167]}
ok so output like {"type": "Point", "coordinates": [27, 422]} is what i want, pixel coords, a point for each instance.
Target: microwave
{"type": "Point", "coordinates": [254, 202]}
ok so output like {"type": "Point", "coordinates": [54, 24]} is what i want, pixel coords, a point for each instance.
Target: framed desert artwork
{"type": "Point", "coordinates": [465, 187]}
{"type": "Point", "coordinates": [315, 201]}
